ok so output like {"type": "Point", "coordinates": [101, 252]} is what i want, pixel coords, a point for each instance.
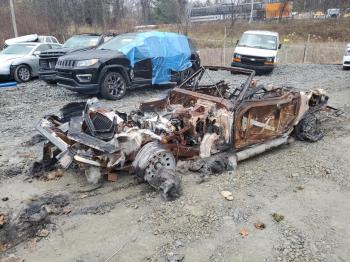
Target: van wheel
{"type": "Point", "coordinates": [113, 86]}
{"type": "Point", "coordinates": [22, 74]}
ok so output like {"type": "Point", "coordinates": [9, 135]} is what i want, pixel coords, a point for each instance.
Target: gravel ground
{"type": "Point", "coordinates": [307, 183]}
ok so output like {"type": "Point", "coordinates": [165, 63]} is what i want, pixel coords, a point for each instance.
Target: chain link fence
{"type": "Point", "coordinates": [315, 53]}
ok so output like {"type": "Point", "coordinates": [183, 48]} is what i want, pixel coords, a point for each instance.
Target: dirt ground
{"type": "Point", "coordinates": [307, 183]}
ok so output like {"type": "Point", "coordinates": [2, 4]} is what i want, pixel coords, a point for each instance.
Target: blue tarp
{"type": "Point", "coordinates": [8, 84]}
{"type": "Point", "coordinates": [168, 51]}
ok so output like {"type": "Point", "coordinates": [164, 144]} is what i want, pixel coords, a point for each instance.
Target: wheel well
{"type": "Point", "coordinates": [118, 70]}
{"type": "Point", "coordinates": [30, 68]}
{"type": "Point", "coordinates": [13, 69]}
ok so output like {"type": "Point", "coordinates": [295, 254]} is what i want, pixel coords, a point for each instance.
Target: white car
{"type": "Point", "coordinates": [21, 61]}
{"type": "Point", "coordinates": [346, 58]}
{"type": "Point", "coordinates": [257, 50]}
{"type": "Point", "coordinates": [31, 38]}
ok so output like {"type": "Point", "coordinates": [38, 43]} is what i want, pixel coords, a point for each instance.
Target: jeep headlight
{"type": "Point", "coordinates": [85, 63]}
{"type": "Point", "coordinates": [235, 55]}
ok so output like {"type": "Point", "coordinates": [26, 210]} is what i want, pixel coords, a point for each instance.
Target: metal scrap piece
{"type": "Point", "coordinates": [44, 127]}
{"type": "Point", "coordinates": [75, 133]}
{"type": "Point", "coordinates": [65, 158]}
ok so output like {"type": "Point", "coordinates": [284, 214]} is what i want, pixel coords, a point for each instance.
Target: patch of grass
{"type": "Point", "coordinates": [337, 30]}
{"type": "Point", "coordinates": [277, 217]}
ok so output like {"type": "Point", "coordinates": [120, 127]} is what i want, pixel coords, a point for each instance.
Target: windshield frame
{"type": "Point", "coordinates": [78, 39]}
{"type": "Point", "coordinates": [116, 40]}
{"type": "Point", "coordinates": [261, 46]}
{"type": "Point", "coordinates": [23, 47]}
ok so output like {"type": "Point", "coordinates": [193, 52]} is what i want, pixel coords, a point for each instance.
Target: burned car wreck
{"type": "Point", "coordinates": [201, 119]}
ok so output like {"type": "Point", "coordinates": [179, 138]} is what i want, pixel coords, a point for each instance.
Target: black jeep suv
{"type": "Point", "coordinates": [48, 59]}
{"type": "Point", "coordinates": [129, 60]}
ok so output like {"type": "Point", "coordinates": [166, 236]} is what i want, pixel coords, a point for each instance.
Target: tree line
{"type": "Point", "coordinates": [66, 17]}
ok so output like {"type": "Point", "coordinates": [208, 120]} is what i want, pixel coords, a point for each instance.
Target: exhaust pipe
{"type": "Point", "coordinates": [253, 151]}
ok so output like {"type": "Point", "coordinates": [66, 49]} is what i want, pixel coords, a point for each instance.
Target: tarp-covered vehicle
{"type": "Point", "coordinates": [128, 60]}
{"type": "Point", "coordinates": [214, 122]}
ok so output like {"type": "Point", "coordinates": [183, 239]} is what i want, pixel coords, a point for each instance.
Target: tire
{"type": "Point", "coordinates": [113, 86]}
{"type": "Point", "coordinates": [186, 74]}
{"type": "Point", "coordinates": [157, 166]}
{"type": "Point", "coordinates": [308, 129]}
{"type": "Point", "coordinates": [22, 73]}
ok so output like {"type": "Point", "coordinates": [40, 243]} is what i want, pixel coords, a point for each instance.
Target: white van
{"type": "Point", "coordinates": [346, 58]}
{"type": "Point", "coordinates": [257, 50]}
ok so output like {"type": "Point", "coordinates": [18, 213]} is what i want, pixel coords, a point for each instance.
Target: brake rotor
{"type": "Point", "coordinates": [152, 158]}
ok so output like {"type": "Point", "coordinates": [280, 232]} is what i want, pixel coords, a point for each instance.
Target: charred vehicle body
{"type": "Point", "coordinates": [129, 60]}
{"type": "Point", "coordinates": [48, 59]}
{"type": "Point", "coordinates": [199, 120]}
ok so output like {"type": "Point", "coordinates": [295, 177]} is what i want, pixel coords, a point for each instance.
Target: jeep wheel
{"type": "Point", "coordinates": [113, 86]}
{"type": "Point", "coordinates": [22, 73]}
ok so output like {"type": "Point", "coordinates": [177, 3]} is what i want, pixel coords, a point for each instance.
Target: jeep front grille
{"type": "Point", "coordinates": [65, 63]}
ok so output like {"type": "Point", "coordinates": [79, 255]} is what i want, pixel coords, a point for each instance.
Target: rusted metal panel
{"type": "Point", "coordinates": [259, 121]}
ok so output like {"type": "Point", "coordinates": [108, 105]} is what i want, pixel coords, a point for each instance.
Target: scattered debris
{"type": "Point", "coordinates": [120, 248]}
{"type": "Point", "coordinates": [12, 171]}
{"type": "Point", "coordinates": [3, 247]}
{"type": "Point", "coordinates": [112, 177]}
{"type": "Point", "coordinates": [215, 164]}
{"type": "Point", "coordinates": [227, 195]}
{"type": "Point", "coordinates": [90, 189]}
{"type": "Point", "coordinates": [67, 210]}
{"type": "Point", "coordinates": [243, 232]}
{"type": "Point", "coordinates": [43, 233]}
{"type": "Point", "coordinates": [32, 220]}
{"type": "Point", "coordinates": [33, 243]}
{"type": "Point", "coordinates": [298, 188]}
{"type": "Point", "coordinates": [259, 225]}
{"type": "Point", "coordinates": [12, 258]}
{"type": "Point", "coordinates": [54, 174]}
{"type": "Point", "coordinates": [277, 217]}
{"type": "Point", "coordinates": [2, 220]}
{"type": "Point", "coordinates": [171, 257]}
{"type": "Point", "coordinates": [83, 196]}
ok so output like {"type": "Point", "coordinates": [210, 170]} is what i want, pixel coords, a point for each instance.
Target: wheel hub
{"type": "Point", "coordinates": [116, 85]}
{"type": "Point", "coordinates": [24, 74]}
{"type": "Point", "coordinates": [151, 158]}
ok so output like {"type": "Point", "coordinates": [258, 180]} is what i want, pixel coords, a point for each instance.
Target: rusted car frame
{"type": "Point", "coordinates": [195, 120]}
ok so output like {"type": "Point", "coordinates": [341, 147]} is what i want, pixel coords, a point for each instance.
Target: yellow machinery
{"type": "Point", "coordinates": [347, 13]}
{"type": "Point", "coordinates": [278, 10]}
